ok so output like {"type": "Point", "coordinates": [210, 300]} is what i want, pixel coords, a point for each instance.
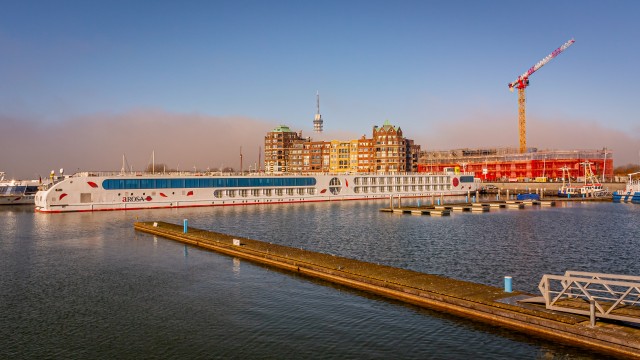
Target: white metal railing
{"type": "Point", "coordinates": [611, 296]}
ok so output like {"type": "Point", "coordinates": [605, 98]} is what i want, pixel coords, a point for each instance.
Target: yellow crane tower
{"type": "Point", "coordinates": [521, 83]}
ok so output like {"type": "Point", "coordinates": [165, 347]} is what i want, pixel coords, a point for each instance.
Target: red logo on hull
{"type": "Point", "coordinates": [136, 198]}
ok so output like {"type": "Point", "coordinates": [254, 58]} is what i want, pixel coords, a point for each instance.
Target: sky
{"type": "Point", "coordinates": [83, 83]}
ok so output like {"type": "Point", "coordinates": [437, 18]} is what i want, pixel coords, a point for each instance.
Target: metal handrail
{"type": "Point", "coordinates": [615, 296]}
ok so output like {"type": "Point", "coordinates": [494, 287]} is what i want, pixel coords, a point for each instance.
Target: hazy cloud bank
{"type": "Point", "coordinates": [30, 148]}
{"type": "Point", "coordinates": [484, 131]}
{"type": "Point", "coordinates": [97, 142]}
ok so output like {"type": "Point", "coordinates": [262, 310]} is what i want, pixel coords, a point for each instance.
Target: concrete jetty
{"type": "Point", "coordinates": [476, 301]}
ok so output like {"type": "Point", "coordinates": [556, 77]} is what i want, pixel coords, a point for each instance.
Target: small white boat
{"type": "Point", "coordinates": [631, 193]}
{"type": "Point", "coordinates": [592, 187]}
{"type": "Point", "coordinates": [567, 190]}
{"type": "Point", "coordinates": [17, 192]}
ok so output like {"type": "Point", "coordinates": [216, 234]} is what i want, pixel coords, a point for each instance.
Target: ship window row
{"type": "Point", "coordinates": [218, 194]}
{"type": "Point", "coordinates": [18, 189]}
{"type": "Point", "coordinates": [123, 184]}
{"type": "Point", "coordinates": [397, 189]}
{"type": "Point", "coordinates": [406, 180]}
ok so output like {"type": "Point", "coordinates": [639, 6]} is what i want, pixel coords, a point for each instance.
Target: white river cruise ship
{"type": "Point", "coordinates": [96, 192]}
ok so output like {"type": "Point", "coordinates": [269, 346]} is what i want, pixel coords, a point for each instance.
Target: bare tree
{"type": "Point", "coordinates": [158, 168]}
{"type": "Point", "coordinates": [623, 170]}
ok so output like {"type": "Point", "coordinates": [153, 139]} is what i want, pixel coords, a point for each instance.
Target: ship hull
{"type": "Point", "coordinates": [17, 199]}
{"type": "Point", "coordinates": [626, 197]}
{"type": "Point", "coordinates": [108, 193]}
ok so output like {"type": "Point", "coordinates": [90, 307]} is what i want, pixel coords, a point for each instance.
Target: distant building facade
{"type": "Point", "coordinates": [388, 151]}
{"type": "Point", "coordinates": [286, 151]}
{"type": "Point", "coordinates": [278, 147]}
{"type": "Point", "coordinates": [507, 164]}
{"type": "Point", "coordinates": [390, 148]}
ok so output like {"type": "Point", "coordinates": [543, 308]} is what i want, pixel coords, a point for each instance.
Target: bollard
{"type": "Point", "coordinates": [507, 284]}
{"type": "Point", "coordinates": [185, 225]}
{"type": "Point", "coordinates": [592, 312]}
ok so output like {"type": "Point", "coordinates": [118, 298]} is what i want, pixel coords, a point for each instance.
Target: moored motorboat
{"type": "Point", "coordinates": [631, 193]}
{"type": "Point", "coordinates": [17, 192]}
{"type": "Point", "coordinates": [592, 187]}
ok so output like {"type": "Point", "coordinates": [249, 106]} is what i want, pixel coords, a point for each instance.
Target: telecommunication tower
{"type": "Point", "coordinates": [317, 121]}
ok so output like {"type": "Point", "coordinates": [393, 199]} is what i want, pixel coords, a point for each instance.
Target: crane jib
{"type": "Point", "coordinates": [542, 62]}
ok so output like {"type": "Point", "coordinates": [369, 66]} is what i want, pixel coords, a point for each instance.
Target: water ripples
{"type": "Point", "coordinates": [86, 285]}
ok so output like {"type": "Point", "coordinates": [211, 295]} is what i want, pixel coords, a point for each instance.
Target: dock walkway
{"type": "Point", "coordinates": [484, 206]}
{"type": "Point", "coordinates": [476, 301]}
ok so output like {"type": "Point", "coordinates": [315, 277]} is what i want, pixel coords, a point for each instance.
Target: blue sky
{"type": "Point", "coordinates": [438, 69]}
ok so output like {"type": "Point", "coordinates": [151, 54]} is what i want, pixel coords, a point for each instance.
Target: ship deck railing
{"type": "Point", "coordinates": [218, 173]}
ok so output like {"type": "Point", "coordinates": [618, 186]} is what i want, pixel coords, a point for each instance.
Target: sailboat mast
{"type": "Point", "coordinates": [604, 165]}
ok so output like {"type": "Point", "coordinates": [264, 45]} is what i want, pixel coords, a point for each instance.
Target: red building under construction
{"type": "Point", "coordinates": [507, 164]}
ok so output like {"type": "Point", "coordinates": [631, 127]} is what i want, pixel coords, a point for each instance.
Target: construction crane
{"type": "Point", "coordinates": [521, 83]}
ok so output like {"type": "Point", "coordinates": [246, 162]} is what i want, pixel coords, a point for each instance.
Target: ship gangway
{"type": "Point", "coordinates": [604, 296]}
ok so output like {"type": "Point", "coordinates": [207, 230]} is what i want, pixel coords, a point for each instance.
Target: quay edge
{"type": "Point", "coordinates": [475, 301]}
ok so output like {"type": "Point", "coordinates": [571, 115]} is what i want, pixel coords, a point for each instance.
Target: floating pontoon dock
{"type": "Point", "coordinates": [476, 301]}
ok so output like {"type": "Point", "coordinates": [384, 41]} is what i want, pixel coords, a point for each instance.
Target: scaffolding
{"type": "Point", "coordinates": [506, 164]}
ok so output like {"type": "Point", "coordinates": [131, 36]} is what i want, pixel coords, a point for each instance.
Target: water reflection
{"type": "Point", "coordinates": [118, 293]}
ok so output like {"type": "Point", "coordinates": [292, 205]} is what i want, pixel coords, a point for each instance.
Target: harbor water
{"type": "Point", "coordinates": [86, 285]}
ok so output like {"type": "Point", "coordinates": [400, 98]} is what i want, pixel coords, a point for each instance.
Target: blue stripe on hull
{"type": "Point", "coordinates": [626, 197]}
